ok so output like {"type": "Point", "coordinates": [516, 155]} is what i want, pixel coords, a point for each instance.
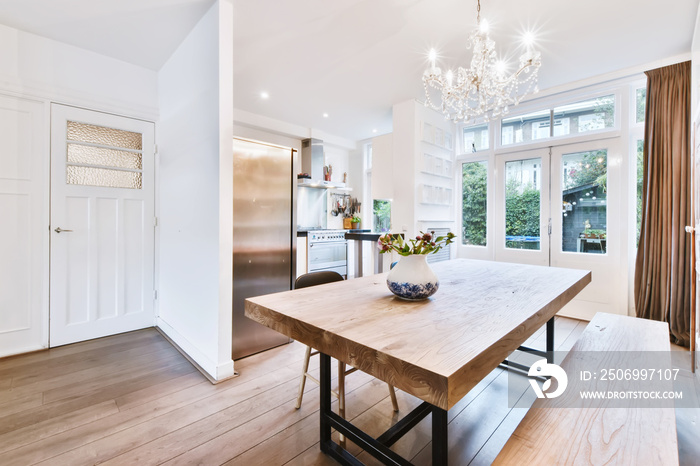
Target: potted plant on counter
{"type": "Point", "coordinates": [355, 221]}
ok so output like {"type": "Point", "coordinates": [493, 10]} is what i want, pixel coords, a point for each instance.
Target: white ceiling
{"type": "Point", "coordinates": [354, 59]}
{"type": "Point", "coordinates": [142, 32]}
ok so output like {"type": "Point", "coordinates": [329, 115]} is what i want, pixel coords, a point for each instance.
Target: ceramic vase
{"type": "Point", "coordinates": [412, 278]}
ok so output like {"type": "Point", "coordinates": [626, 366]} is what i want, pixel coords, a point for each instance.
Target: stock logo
{"type": "Point", "coordinates": [542, 369]}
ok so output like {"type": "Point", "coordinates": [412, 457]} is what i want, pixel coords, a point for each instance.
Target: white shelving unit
{"type": "Point", "coordinates": [436, 175]}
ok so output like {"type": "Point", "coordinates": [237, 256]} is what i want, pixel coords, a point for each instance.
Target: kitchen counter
{"type": "Point", "coordinates": [360, 236]}
{"type": "Point", "coordinates": [305, 233]}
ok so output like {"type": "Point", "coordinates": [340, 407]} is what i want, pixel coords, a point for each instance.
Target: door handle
{"type": "Point", "coordinates": [61, 230]}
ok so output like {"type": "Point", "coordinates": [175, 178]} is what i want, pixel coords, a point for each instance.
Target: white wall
{"type": "Point", "coordinates": [382, 167]}
{"type": "Point", "coordinates": [195, 198]}
{"type": "Point", "coordinates": [403, 211]}
{"type": "Point", "coordinates": [42, 68]}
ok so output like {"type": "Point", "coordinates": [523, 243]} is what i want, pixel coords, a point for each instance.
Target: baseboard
{"type": "Point", "coordinates": [213, 372]}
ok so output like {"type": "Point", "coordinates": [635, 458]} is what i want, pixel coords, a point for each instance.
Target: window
{"type": "Point", "coordinates": [640, 185]}
{"type": "Point", "coordinates": [382, 215]}
{"type": "Point", "coordinates": [561, 126]}
{"type": "Point", "coordinates": [474, 190]}
{"type": "Point", "coordinates": [507, 135]}
{"type": "Point", "coordinates": [588, 115]}
{"type": "Point", "coordinates": [580, 117]}
{"type": "Point", "coordinates": [475, 138]}
{"type": "Point", "coordinates": [641, 104]}
{"type": "Point", "coordinates": [591, 122]}
{"type": "Point", "coordinates": [535, 125]}
{"type": "Point", "coordinates": [540, 130]}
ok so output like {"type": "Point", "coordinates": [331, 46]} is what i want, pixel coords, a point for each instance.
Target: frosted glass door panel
{"type": "Point", "coordinates": [102, 156]}
{"type": "Point", "coordinates": [89, 176]}
{"type": "Point", "coordinates": [103, 135]}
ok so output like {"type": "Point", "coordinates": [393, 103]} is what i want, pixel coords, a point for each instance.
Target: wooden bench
{"type": "Point", "coordinates": [599, 435]}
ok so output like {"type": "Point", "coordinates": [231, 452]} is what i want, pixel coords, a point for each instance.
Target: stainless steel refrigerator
{"type": "Point", "coordinates": [264, 236]}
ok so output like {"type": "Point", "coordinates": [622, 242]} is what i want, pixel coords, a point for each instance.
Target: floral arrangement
{"type": "Point", "coordinates": [425, 243]}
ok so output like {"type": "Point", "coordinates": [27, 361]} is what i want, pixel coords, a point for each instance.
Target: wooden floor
{"type": "Point", "coordinates": [133, 399]}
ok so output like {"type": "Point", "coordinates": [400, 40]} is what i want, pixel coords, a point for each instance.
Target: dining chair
{"type": "Point", "coordinates": [320, 278]}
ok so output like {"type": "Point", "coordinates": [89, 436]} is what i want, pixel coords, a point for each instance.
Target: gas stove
{"type": "Point", "coordinates": [326, 236]}
{"type": "Point", "coordinates": [327, 250]}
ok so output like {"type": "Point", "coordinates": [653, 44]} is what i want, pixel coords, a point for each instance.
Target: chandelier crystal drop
{"type": "Point", "coordinates": [483, 89]}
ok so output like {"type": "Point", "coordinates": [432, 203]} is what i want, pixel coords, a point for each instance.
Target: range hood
{"type": "Point", "coordinates": [312, 161]}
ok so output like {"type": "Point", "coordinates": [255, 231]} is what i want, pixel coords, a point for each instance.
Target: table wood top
{"type": "Point", "coordinates": [437, 349]}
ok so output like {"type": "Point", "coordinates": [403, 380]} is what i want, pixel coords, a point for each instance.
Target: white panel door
{"type": "Point", "coordinates": [24, 236]}
{"type": "Point", "coordinates": [102, 224]}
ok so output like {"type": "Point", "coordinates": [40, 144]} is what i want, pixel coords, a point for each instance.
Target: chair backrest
{"type": "Point", "coordinates": [317, 278]}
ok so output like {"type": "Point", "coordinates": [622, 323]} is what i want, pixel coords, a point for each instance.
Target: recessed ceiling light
{"type": "Point", "coordinates": [374, 130]}
{"type": "Point", "coordinates": [325, 115]}
{"type": "Point", "coordinates": [264, 95]}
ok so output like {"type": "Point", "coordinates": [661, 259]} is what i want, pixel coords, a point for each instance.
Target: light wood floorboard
{"type": "Point", "coordinates": [133, 399]}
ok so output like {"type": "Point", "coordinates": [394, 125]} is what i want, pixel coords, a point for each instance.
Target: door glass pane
{"type": "Point", "coordinates": [104, 136]}
{"type": "Point", "coordinates": [91, 155]}
{"type": "Point", "coordinates": [584, 202]}
{"type": "Point", "coordinates": [523, 181]}
{"type": "Point", "coordinates": [474, 189]}
{"type": "Point", "coordinates": [90, 176]}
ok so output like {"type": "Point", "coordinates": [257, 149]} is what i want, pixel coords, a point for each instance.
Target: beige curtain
{"type": "Point", "coordinates": [662, 274]}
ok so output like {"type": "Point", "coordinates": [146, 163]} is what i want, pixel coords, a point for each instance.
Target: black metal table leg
{"type": "Point", "coordinates": [325, 379]}
{"type": "Point", "coordinates": [377, 447]}
{"type": "Point", "coordinates": [548, 353]}
{"type": "Point", "coordinates": [439, 436]}
{"type": "Point", "coordinates": [550, 341]}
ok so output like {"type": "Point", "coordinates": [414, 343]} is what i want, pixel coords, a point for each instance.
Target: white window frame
{"type": "Point", "coordinates": [551, 102]}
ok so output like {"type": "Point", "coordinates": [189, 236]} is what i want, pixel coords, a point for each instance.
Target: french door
{"type": "Point", "coordinates": [523, 210]}
{"type": "Point", "coordinates": [563, 207]}
{"type": "Point", "coordinates": [102, 224]}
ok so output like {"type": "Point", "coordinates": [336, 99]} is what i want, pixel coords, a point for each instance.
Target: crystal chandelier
{"type": "Point", "coordinates": [483, 89]}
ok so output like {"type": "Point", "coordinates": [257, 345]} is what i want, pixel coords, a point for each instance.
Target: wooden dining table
{"type": "Point", "coordinates": [436, 349]}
